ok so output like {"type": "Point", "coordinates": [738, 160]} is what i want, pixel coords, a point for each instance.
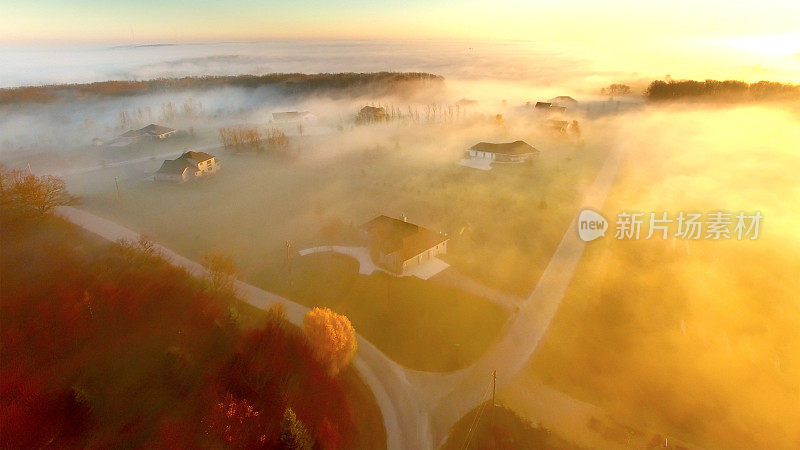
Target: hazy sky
{"type": "Point", "coordinates": [604, 21]}
{"type": "Point", "coordinates": [684, 38]}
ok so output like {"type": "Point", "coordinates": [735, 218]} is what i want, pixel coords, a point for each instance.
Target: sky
{"type": "Point", "coordinates": [582, 20]}
{"type": "Point", "coordinates": [747, 40]}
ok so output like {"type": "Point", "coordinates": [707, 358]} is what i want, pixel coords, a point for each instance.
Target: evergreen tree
{"type": "Point", "coordinates": [294, 435]}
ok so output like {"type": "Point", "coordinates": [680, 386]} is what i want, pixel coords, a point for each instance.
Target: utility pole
{"type": "Point", "coordinates": [289, 261]}
{"type": "Point", "coordinates": [116, 184]}
{"type": "Point", "coordinates": [494, 390]}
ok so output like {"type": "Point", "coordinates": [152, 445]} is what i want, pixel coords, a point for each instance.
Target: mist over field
{"type": "Point", "coordinates": [695, 340]}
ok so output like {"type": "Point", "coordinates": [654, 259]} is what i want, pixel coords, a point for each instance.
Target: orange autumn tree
{"type": "Point", "coordinates": [332, 338]}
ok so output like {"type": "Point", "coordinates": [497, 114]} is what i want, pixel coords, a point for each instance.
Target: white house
{"type": "Point", "coordinates": [512, 152]}
{"type": "Point", "coordinates": [188, 166]}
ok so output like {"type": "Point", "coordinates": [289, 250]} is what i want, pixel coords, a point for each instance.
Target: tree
{"type": "Point", "coordinates": [616, 90]}
{"type": "Point", "coordinates": [277, 140]}
{"type": "Point", "coordinates": [40, 193]}
{"type": "Point", "coordinates": [221, 272]}
{"type": "Point", "coordinates": [332, 338]}
{"type": "Point", "coordinates": [294, 434]}
{"type": "Point", "coordinates": [237, 423]}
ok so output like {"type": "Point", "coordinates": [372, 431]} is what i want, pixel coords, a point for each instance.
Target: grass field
{"type": "Point", "coordinates": [402, 316]}
{"type": "Point", "coordinates": [502, 234]}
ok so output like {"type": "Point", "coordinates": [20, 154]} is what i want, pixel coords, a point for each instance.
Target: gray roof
{"type": "Point", "coordinates": [196, 156]}
{"type": "Point", "coordinates": [563, 98]}
{"type": "Point", "coordinates": [174, 166]}
{"type": "Point", "coordinates": [150, 130]}
{"type": "Point", "coordinates": [156, 130]}
{"type": "Point", "coordinates": [391, 235]}
{"type": "Point", "coordinates": [186, 160]}
{"type": "Point", "coordinates": [507, 148]}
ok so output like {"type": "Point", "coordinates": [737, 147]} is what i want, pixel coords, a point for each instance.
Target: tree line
{"type": "Point", "coordinates": [109, 345]}
{"type": "Point", "coordinates": [379, 83]}
{"type": "Point", "coordinates": [731, 90]}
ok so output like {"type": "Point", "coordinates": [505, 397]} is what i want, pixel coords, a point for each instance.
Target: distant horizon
{"type": "Point", "coordinates": [519, 60]}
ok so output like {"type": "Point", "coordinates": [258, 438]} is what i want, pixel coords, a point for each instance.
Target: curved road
{"type": "Point", "coordinates": [419, 408]}
{"type": "Point", "coordinates": [386, 378]}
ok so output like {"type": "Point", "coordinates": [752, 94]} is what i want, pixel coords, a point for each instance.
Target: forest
{"type": "Point", "coordinates": [107, 344]}
{"type": "Point", "coordinates": [728, 90]}
{"type": "Point", "coordinates": [375, 84]}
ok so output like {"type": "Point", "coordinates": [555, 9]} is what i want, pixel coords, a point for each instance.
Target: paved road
{"type": "Point", "coordinates": [449, 397]}
{"type": "Point", "coordinates": [419, 408]}
{"type": "Point", "coordinates": [406, 427]}
{"type": "Point", "coordinates": [167, 155]}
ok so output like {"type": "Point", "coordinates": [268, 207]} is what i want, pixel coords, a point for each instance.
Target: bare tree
{"type": "Point", "coordinates": [42, 193]}
{"type": "Point", "coordinates": [221, 272]}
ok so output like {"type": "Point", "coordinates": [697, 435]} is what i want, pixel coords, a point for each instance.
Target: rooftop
{"type": "Point", "coordinates": [407, 239]}
{"type": "Point", "coordinates": [174, 166]}
{"type": "Point", "coordinates": [150, 130]}
{"type": "Point", "coordinates": [507, 148]}
{"type": "Point", "coordinates": [196, 156]}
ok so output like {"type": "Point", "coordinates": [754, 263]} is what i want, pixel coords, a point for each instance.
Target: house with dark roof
{"type": "Point", "coordinates": [151, 131]}
{"type": "Point", "coordinates": [564, 101]}
{"type": "Point", "coordinates": [548, 108]}
{"type": "Point", "coordinates": [398, 245]}
{"type": "Point", "coordinates": [188, 166]}
{"type": "Point", "coordinates": [508, 152]}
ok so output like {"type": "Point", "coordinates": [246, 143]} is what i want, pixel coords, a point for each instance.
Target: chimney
{"type": "Point", "coordinates": [403, 216]}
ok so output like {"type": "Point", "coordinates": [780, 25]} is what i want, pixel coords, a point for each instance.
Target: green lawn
{"type": "Point", "coordinates": [421, 325]}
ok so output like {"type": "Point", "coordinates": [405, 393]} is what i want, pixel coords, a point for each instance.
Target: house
{"type": "Point", "coordinates": [563, 127]}
{"type": "Point", "coordinates": [97, 142]}
{"type": "Point", "coordinates": [398, 245]}
{"type": "Point", "coordinates": [548, 108]}
{"type": "Point", "coordinates": [564, 101]}
{"type": "Point", "coordinates": [510, 152]}
{"type": "Point", "coordinates": [151, 131]}
{"type": "Point", "coordinates": [188, 166]}
{"type": "Point", "coordinates": [369, 114]}
{"type": "Point", "coordinates": [293, 117]}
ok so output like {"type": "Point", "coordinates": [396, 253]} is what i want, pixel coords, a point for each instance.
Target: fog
{"type": "Point", "coordinates": [698, 339]}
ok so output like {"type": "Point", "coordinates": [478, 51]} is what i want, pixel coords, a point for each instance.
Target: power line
{"type": "Point", "coordinates": [472, 426]}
